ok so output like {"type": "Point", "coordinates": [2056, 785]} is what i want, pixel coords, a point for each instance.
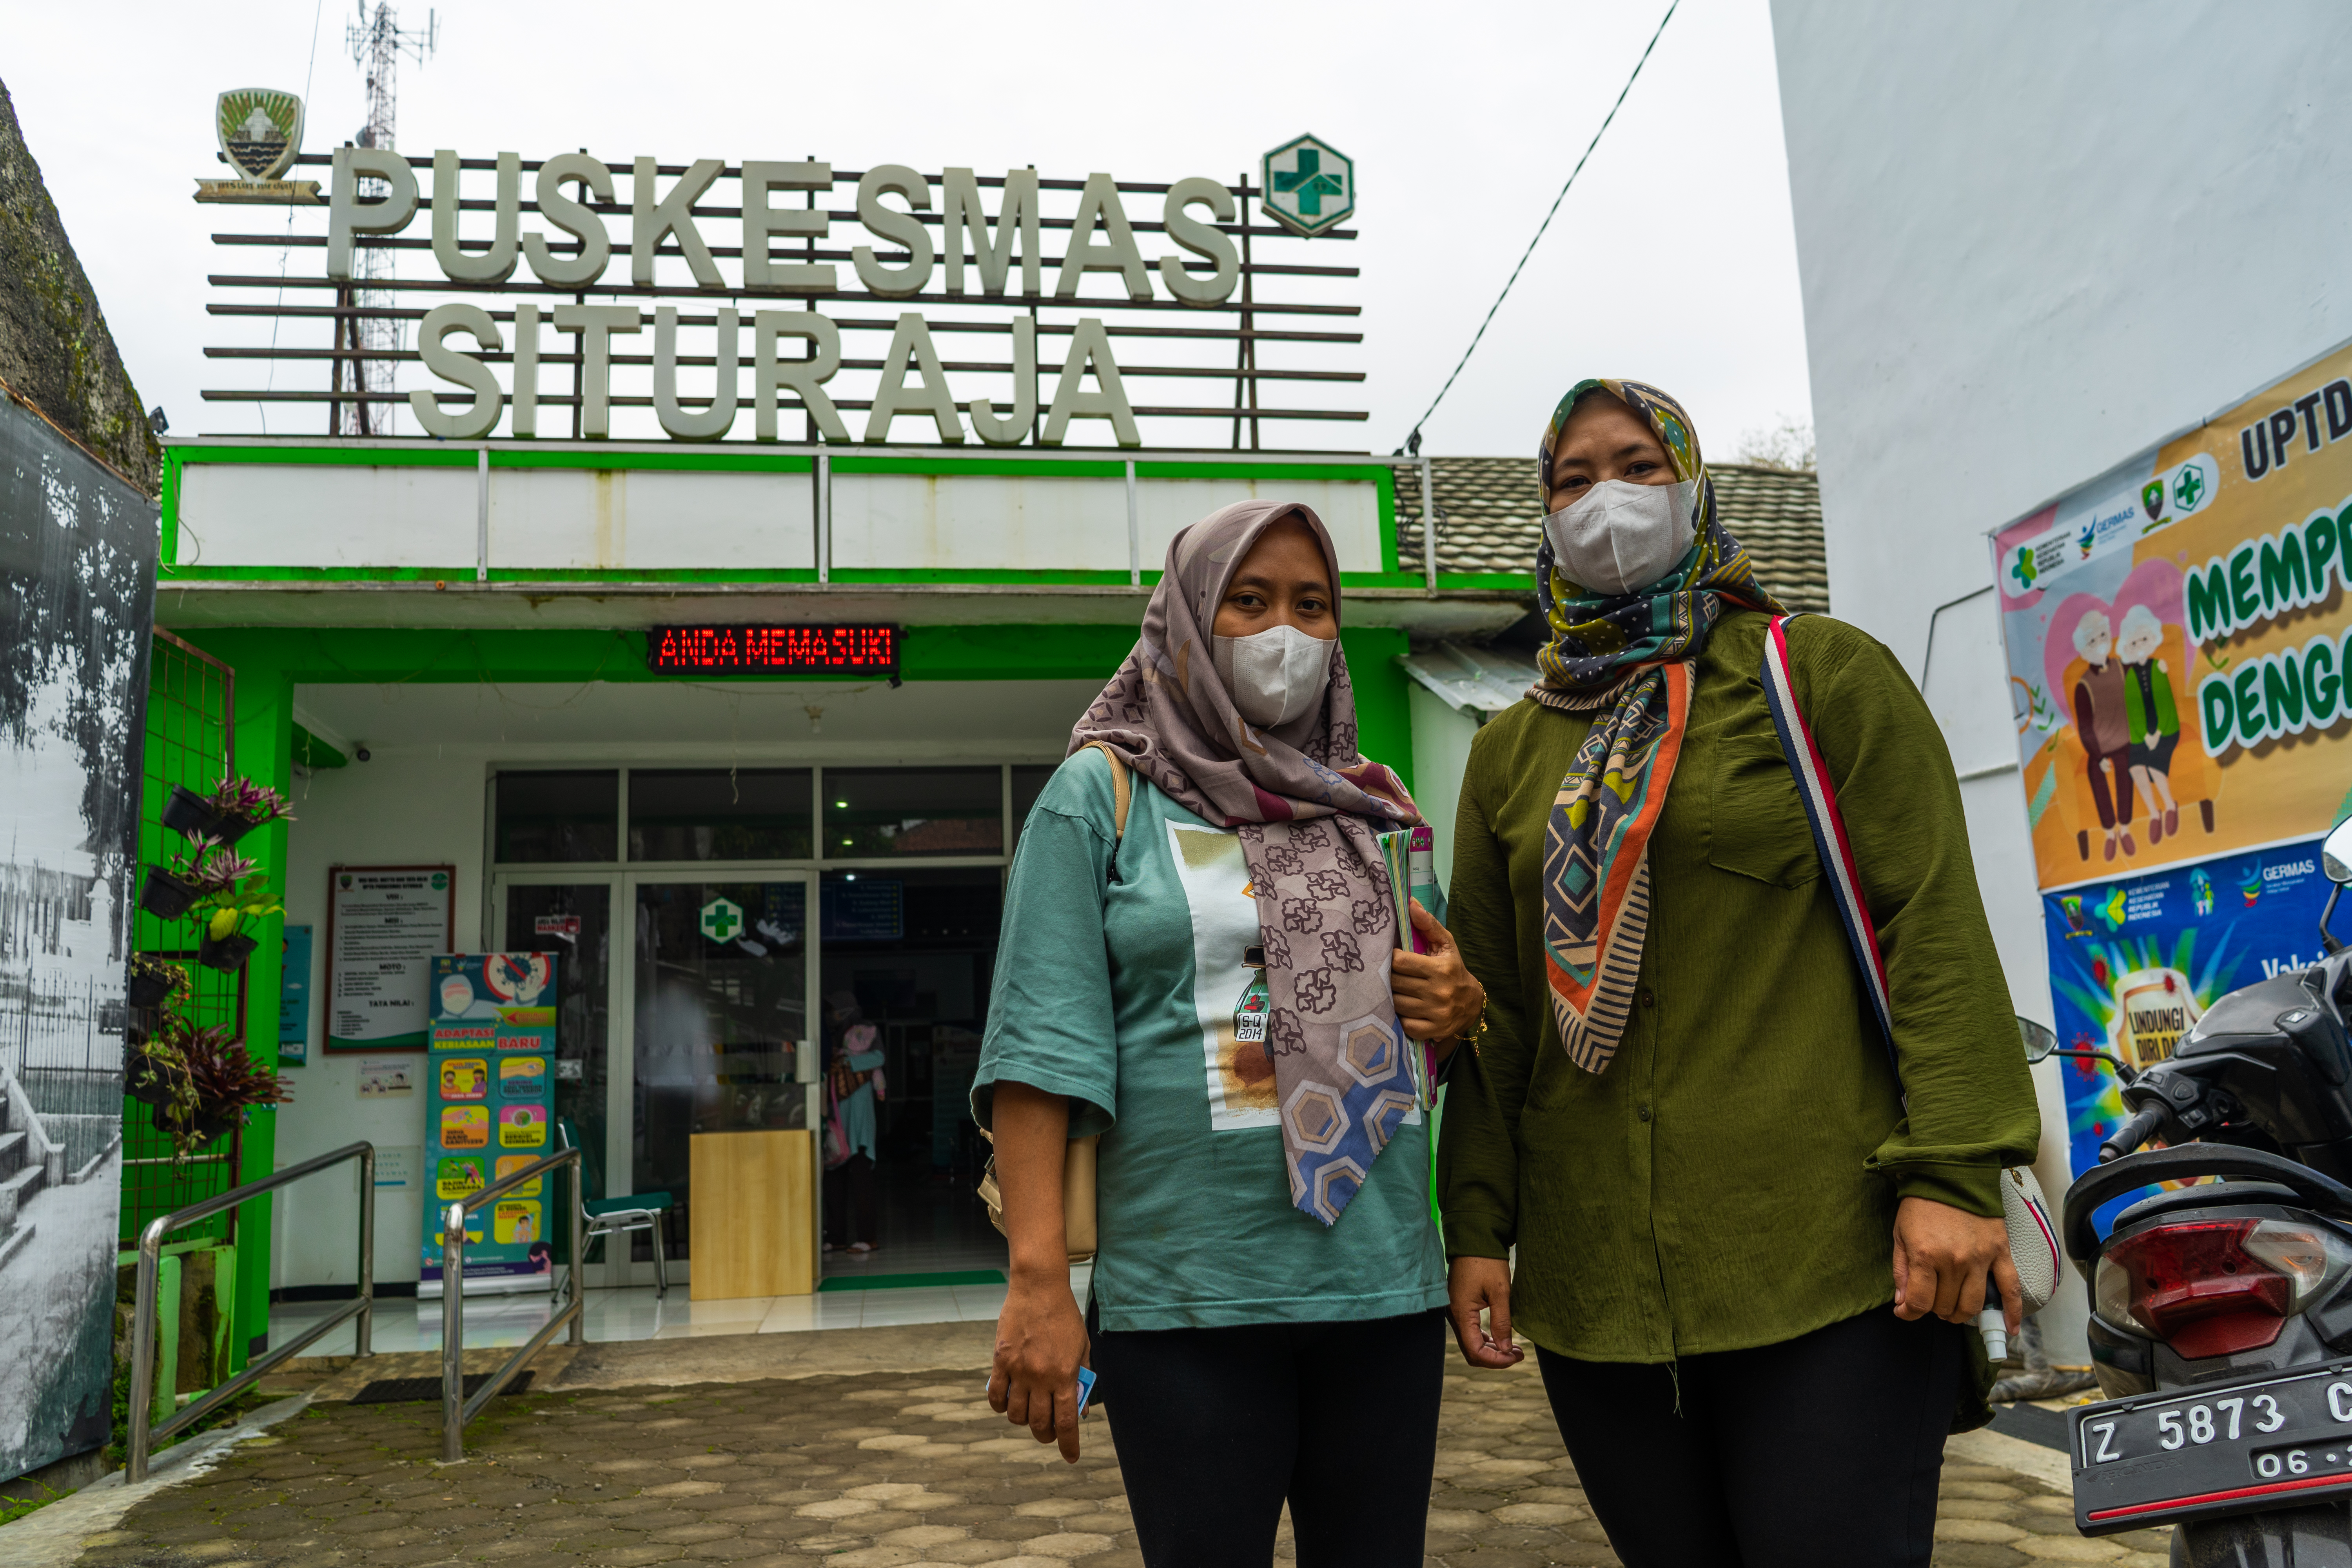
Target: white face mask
{"type": "Point", "coordinates": [1617, 536]}
{"type": "Point", "coordinates": [1274, 677]}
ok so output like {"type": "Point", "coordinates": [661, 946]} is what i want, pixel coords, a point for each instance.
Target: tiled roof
{"type": "Point", "coordinates": [1490, 520]}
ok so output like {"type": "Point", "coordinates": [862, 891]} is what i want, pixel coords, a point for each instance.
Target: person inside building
{"type": "Point", "coordinates": [852, 1080]}
{"type": "Point", "coordinates": [1743, 1265]}
{"type": "Point", "coordinates": [1200, 962]}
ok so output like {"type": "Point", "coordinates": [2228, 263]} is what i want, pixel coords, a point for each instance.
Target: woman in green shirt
{"type": "Point", "coordinates": [1214, 985]}
{"type": "Point", "coordinates": [1743, 1257]}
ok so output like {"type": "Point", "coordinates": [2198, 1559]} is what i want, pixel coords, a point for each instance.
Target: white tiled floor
{"type": "Point", "coordinates": [637, 1314]}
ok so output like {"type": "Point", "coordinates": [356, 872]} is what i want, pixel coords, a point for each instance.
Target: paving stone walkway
{"type": "Point", "coordinates": [879, 1470]}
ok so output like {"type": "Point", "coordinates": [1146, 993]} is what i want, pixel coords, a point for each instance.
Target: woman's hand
{"type": "Point", "coordinates": [1041, 1340]}
{"type": "Point", "coordinates": [1942, 1257]}
{"type": "Point", "coordinates": [1473, 1284]}
{"type": "Point", "coordinates": [1436, 998]}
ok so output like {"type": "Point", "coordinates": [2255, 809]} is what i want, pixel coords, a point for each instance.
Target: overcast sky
{"type": "Point", "coordinates": [1673, 261]}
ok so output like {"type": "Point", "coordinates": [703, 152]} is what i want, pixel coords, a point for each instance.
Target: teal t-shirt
{"type": "Point", "coordinates": [1117, 987]}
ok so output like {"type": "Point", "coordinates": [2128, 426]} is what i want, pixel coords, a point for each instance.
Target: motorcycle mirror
{"type": "Point", "coordinates": [2335, 853]}
{"type": "Point", "coordinates": [2039, 1040]}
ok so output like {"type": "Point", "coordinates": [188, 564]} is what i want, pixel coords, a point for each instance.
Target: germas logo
{"type": "Point", "coordinates": [2250, 883]}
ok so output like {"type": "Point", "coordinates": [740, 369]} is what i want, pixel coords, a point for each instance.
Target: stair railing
{"type": "Point", "coordinates": [457, 1409]}
{"type": "Point", "coordinates": [144, 1437]}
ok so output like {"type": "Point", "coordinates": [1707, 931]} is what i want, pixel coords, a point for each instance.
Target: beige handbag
{"type": "Point", "coordinates": [1078, 1158]}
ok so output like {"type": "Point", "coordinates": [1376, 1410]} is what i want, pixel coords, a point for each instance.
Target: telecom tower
{"type": "Point", "coordinates": [377, 40]}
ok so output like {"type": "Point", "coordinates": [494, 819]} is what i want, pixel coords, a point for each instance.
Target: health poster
{"type": "Point", "coordinates": [2135, 961]}
{"type": "Point", "coordinates": [489, 1109]}
{"type": "Point", "coordinates": [387, 926]}
{"type": "Point", "coordinates": [2178, 635]}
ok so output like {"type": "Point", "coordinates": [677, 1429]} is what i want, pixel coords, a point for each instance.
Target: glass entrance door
{"type": "Point", "coordinates": [574, 921]}
{"type": "Point", "coordinates": [720, 1028]}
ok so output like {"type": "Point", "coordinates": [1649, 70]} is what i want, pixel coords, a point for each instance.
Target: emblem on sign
{"type": "Point", "coordinates": [1309, 187]}
{"type": "Point", "coordinates": [722, 920]}
{"type": "Point", "coordinates": [260, 130]}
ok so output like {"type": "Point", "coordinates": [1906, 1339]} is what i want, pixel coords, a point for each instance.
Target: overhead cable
{"type": "Point", "coordinates": [1413, 442]}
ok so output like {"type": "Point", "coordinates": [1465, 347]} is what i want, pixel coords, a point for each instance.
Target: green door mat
{"type": "Point", "coordinates": [912, 1281]}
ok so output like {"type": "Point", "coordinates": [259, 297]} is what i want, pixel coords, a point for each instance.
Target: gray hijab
{"type": "Point", "coordinates": [1306, 808]}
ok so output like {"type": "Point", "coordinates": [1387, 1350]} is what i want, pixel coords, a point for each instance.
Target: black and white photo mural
{"type": "Point", "coordinates": [77, 598]}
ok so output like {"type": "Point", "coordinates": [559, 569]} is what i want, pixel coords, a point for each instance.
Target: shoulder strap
{"type": "Point", "coordinates": [1118, 795]}
{"type": "Point", "coordinates": [1830, 840]}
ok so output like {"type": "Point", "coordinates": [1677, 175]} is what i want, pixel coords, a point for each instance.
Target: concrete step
{"type": "Point", "coordinates": [18, 1190]}
{"type": "Point", "coordinates": [14, 1242]}
{"type": "Point", "coordinates": [14, 1152]}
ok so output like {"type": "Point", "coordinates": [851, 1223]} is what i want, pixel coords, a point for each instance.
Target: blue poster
{"type": "Point", "coordinates": [2135, 962]}
{"type": "Point", "coordinates": [489, 1109]}
{"type": "Point", "coordinates": [294, 999]}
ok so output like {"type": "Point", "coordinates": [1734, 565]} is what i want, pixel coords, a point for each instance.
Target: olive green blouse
{"type": "Point", "coordinates": [1730, 1181]}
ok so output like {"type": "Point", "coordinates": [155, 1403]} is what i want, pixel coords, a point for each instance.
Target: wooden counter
{"type": "Point", "coordinates": [754, 1226]}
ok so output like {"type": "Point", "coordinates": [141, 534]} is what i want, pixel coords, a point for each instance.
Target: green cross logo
{"type": "Point", "coordinates": [1310, 184]}
{"type": "Point", "coordinates": [722, 919]}
{"type": "Point", "coordinates": [2188, 489]}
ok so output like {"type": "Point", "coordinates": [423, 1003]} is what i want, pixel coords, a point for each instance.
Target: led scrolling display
{"type": "Point", "coordinates": [789, 650]}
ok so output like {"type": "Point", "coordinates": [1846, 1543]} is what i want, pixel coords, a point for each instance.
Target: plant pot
{"type": "Point", "coordinates": [164, 896]}
{"type": "Point", "coordinates": [227, 952]}
{"type": "Point", "coordinates": [208, 1125]}
{"type": "Point", "coordinates": [189, 814]}
{"type": "Point", "coordinates": [229, 827]}
{"type": "Point", "coordinates": [146, 991]}
{"type": "Point", "coordinates": [146, 1090]}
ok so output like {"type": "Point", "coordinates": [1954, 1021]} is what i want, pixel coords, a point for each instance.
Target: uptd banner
{"type": "Point", "coordinates": [2177, 638]}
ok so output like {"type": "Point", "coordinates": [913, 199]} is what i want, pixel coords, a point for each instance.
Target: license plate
{"type": "Point", "coordinates": [2220, 1449]}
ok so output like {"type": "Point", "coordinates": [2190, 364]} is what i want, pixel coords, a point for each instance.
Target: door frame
{"type": "Point", "coordinates": [621, 998]}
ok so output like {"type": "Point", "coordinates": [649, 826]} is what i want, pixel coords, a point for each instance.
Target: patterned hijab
{"type": "Point", "coordinates": [1625, 659]}
{"type": "Point", "coordinates": [1307, 808]}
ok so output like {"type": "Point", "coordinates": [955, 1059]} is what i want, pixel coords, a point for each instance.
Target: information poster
{"type": "Point", "coordinates": [2178, 635]}
{"type": "Point", "coordinates": [294, 998]}
{"type": "Point", "coordinates": [386, 925]}
{"type": "Point", "coordinates": [490, 1109]}
{"type": "Point", "coordinates": [2135, 962]}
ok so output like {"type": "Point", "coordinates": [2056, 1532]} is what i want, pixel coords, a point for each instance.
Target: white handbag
{"type": "Point", "coordinates": [2032, 1239]}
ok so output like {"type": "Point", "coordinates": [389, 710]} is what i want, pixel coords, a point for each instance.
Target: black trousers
{"type": "Point", "coordinates": [850, 1205]}
{"type": "Point", "coordinates": [1215, 1427]}
{"type": "Point", "coordinates": [1823, 1451]}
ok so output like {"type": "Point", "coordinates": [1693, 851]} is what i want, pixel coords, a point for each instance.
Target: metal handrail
{"type": "Point", "coordinates": [455, 1408]}
{"type": "Point", "coordinates": [151, 1264]}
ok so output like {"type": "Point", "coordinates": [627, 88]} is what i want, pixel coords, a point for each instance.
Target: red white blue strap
{"type": "Point", "coordinates": [1818, 797]}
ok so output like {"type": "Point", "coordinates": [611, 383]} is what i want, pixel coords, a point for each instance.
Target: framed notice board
{"type": "Point", "coordinates": [385, 925]}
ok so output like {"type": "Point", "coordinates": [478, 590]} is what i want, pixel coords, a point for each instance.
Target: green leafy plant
{"type": "Point", "coordinates": [148, 971]}
{"type": "Point", "coordinates": [237, 893]}
{"type": "Point", "coordinates": [211, 1080]}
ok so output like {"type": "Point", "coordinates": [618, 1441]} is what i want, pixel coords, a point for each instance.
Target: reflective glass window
{"type": "Point", "coordinates": [913, 811]}
{"type": "Point", "coordinates": [719, 814]}
{"type": "Point", "coordinates": [559, 816]}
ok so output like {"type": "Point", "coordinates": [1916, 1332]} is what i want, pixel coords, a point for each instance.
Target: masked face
{"type": "Point", "coordinates": [1274, 677]}
{"type": "Point", "coordinates": [1618, 537]}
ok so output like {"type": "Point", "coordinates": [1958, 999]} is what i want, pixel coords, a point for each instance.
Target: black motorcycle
{"type": "Point", "coordinates": [2222, 1312]}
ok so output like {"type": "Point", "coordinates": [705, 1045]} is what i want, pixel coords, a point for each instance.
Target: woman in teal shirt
{"type": "Point", "coordinates": [1217, 989]}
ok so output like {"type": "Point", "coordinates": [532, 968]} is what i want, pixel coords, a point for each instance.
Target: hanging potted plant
{"type": "Point", "coordinates": [168, 890]}
{"type": "Point", "coordinates": [154, 983]}
{"type": "Point", "coordinates": [238, 897]}
{"type": "Point", "coordinates": [218, 1084]}
{"type": "Point", "coordinates": [155, 1068]}
{"type": "Point", "coordinates": [240, 805]}
{"type": "Point", "coordinates": [189, 814]}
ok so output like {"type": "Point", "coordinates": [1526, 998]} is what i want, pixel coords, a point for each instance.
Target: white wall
{"type": "Point", "coordinates": [2033, 240]}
